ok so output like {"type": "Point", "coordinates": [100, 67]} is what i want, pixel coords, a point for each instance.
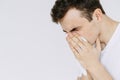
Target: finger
{"type": "Point", "coordinates": [75, 43]}
{"type": "Point", "coordinates": [98, 45]}
{"type": "Point", "coordinates": [82, 39]}
{"type": "Point", "coordinates": [71, 47]}
{"type": "Point", "coordinates": [75, 52]}
{"type": "Point", "coordinates": [77, 35]}
{"type": "Point", "coordinates": [78, 42]}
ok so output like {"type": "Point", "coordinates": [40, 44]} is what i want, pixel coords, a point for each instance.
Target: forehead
{"type": "Point", "coordinates": [72, 19]}
{"type": "Point", "coordinates": [71, 14]}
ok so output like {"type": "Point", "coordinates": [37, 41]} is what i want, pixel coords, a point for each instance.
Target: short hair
{"type": "Point", "coordinates": [87, 7]}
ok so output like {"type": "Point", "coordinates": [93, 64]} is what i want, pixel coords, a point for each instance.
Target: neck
{"type": "Point", "coordinates": [108, 27]}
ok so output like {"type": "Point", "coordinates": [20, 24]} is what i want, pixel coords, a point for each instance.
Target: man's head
{"type": "Point", "coordinates": [87, 7]}
{"type": "Point", "coordinates": [81, 16]}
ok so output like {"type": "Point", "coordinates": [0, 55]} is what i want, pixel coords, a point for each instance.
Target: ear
{"type": "Point", "coordinates": [97, 14]}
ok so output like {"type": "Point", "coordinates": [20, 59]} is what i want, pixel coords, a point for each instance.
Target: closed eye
{"type": "Point", "coordinates": [73, 29]}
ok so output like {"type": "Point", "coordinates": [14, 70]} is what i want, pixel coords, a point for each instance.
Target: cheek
{"type": "Point", "coordinates": [91, 36]}
{"type": "Point", "coordinates": [84, 34]}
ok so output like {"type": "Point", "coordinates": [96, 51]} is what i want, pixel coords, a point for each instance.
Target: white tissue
{"type": "Point", "coordinates": [82, 38]}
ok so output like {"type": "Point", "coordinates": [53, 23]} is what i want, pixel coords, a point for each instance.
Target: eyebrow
{"type": "Point", "coordinates": [70, 30]}
{"type": "Point", "coordinates": [64, 31]}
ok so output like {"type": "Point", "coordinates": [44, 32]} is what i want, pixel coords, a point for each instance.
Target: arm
{"type": "Point", "coordinates": [96, 74]}
{"type": "Point", "coordinates": [99, 72]}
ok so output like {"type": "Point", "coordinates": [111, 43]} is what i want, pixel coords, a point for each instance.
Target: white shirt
{"type": "Point", "coordinates": [110, 56]}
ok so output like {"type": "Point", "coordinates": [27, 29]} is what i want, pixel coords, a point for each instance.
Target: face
{"type": "Point", "coordinates": [73, 21]}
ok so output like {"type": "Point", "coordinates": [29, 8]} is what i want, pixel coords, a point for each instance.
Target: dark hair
{"type": "Point", "coordinates": [86, 6]}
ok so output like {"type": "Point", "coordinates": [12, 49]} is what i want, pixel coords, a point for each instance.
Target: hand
{"type": "Point", "coordinates": [86, 54]}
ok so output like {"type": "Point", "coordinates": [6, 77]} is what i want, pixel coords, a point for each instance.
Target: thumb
{"type": "Point", "coordinates": [98, 45]}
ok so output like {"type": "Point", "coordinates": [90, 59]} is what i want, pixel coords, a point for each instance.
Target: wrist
{"type": "Point", "coordinates": [94, 65]}
{"type": "Point", "coordinates": [98, 72]}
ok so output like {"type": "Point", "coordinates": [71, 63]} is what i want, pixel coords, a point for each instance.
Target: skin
{"type": "Point", "coordinates": [98, 32]}
{"type": "Point", "coordinates": [84, 77]}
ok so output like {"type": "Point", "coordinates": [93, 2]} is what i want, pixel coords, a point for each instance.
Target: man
{"type": "Point", "coordinates": [92, 36]}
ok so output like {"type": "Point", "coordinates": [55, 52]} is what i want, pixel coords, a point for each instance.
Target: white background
{"type": "Point", "coordinates": [34, 48]}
